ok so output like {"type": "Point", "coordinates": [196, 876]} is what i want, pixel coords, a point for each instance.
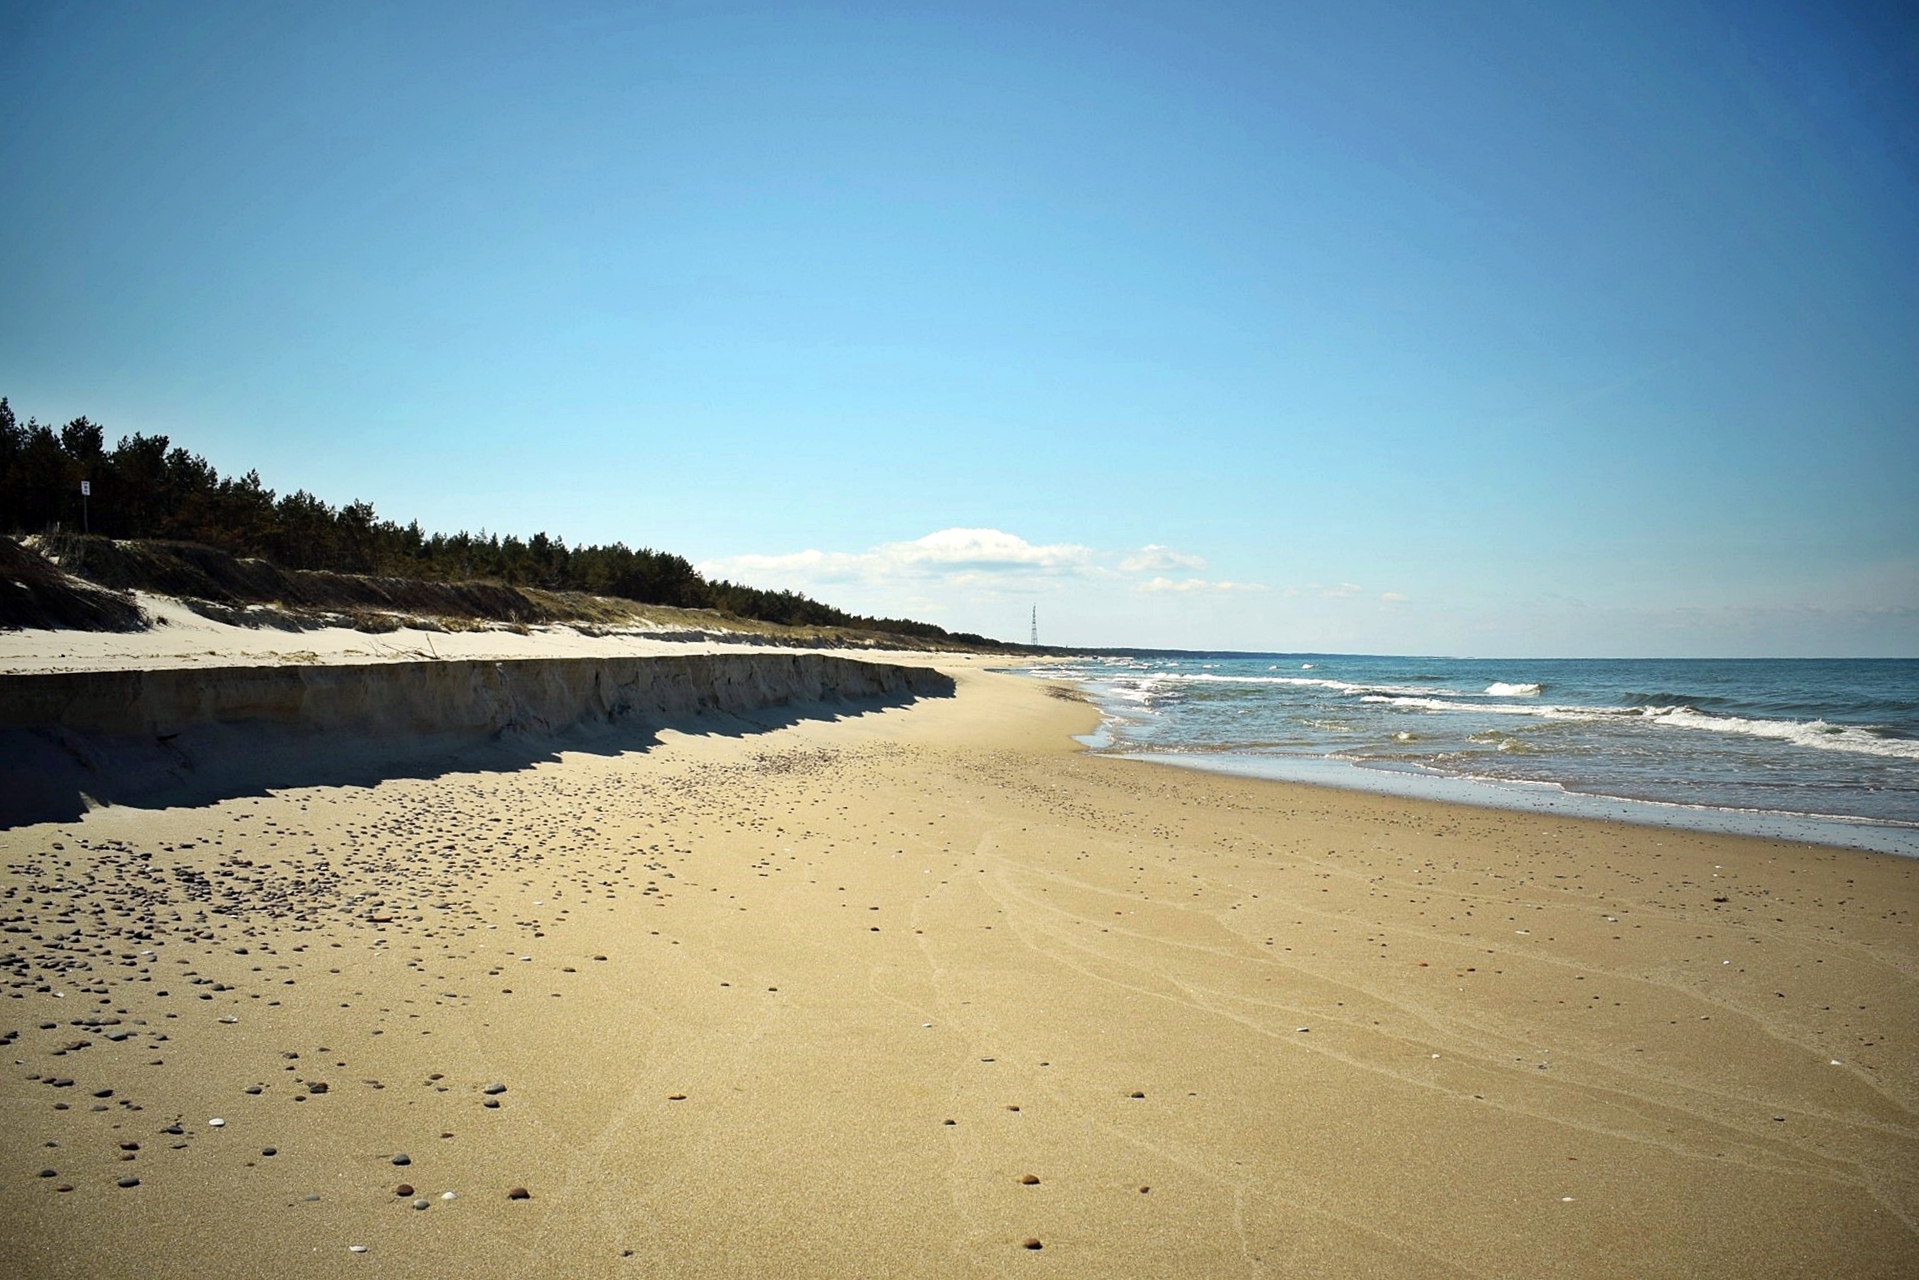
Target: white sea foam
{"type": "Point", "coordinates": [1804, 733]}
{"type": "Point", "coordinates": [1500, 689]}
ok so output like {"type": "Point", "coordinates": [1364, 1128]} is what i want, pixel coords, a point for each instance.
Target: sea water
{"type": "Point", "coordinates": [1812, 749]}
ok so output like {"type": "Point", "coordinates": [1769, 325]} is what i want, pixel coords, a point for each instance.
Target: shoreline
{"type": "Point", "coordinates": [1828, 830]}
{"type": "Point", "coordinates": [822, 996]}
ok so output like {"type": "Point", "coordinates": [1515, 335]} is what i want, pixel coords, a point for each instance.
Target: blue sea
{"type": "Point", "coordinates": [1811, 749]}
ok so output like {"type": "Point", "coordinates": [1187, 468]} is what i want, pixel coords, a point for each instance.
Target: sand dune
{"type": "Point", "coordinates": [900, 993]}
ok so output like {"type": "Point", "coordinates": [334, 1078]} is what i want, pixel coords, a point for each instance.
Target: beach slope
{"type": "Point", "coordinates": [928, 991]}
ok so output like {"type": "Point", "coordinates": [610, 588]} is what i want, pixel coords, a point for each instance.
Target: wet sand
{"type": "Point", "coordinates": [900, 994]}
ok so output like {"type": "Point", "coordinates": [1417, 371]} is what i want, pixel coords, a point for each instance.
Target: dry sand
{"type": "Point", "coordinates": [180, 637]}
{"type": "Point", "coordinates": [825, 1001]}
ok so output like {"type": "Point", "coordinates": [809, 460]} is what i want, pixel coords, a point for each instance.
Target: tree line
{"type": "Point", "coordinates": [147, 487]}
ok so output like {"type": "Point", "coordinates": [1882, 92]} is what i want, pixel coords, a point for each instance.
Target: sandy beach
{"type": "Point", "coordinates": [930, 991]}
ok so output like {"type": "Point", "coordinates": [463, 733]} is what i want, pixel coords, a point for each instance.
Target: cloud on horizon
{"type": "Point", "coordinates": [1196, 584]}
{"type": "Point", "coordinates": [987, 559]}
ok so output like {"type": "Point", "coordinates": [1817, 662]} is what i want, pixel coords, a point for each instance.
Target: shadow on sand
{"type": "Point", "coordinates": [56, 775]}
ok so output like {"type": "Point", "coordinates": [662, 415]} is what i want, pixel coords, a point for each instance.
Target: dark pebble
{"type": "Point", "coordinates": [1028, 1180]}
{"type": "Point", "coordinates": [49, 1173]}
{"type": "Point", "coordinates": [1136, 1094]}
{"type": "Point", "coordinates": [1031, 1242]}
{"type": "Point", "coordinates": [519, 1193]}
{"type": "Point", "coordinates": [495, 1087]}
{"type": "Point", "coordinates": [403, 1159]}
{"type": "Point", "coordinates": [403, 1190]}
{"type": "Point", "coordinates": [269, 1151]}
{"type": "Point", "coordinates": [318, 1086]}
{"type": "Point", "coordinates": [129, 1182]}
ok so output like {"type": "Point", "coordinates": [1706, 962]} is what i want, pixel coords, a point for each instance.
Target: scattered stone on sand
{"type": "Point", "coordinates": [420, 1203]}
{"type": "Point", "coordinates": [494, 1088]}
{"type": "Point", "coordinates": [1136, 1094]}
{"type": "Point", "coordinates": [129, 1182]}
{"type": "Point", "coordinates": [519, 1193]}
{"type": "Point", "coordinates": [1029, 1180]}
{"type": "Point", "coordinates": [1031, 1242]}
{"type": "Point", "coordinates": [403, 1159]}
{"type": "Point", "coordinates": [404, 1190]}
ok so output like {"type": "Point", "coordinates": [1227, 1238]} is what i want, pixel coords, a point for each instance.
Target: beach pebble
{"type": "Point", "coordinates": [495, 1087]}
{"type": "Point", "coordinates": [420, 1203]}
{"type": "Point", "coordinates": [403, 1159]}
{"type": "Point", "coordinates": [129, 1182]}
{"type": "Point", "coordinates": [318, 1086]}
{"type": "Point", "coordinates": [49, 1173]}
{"type": "Point", "coordinates": [403, 1190]}
{"type": "Point", "coordinates": [216, 1123]}
{"type": "Point", "coordinates": [356, 1248]}
{"type": "Point", "coordinates": [269, 1151]}
{"type": "Point", "coordinates": [519, 1193]}
{"type": "Point", "coordinates": [1031, 1242]}
{"type": "Point", "coordinates": [448, 1195]}
{"type": "Point", "coordinates": [1029, 1180]}
{"type": "Point", "coordinates": [1136, 1094]}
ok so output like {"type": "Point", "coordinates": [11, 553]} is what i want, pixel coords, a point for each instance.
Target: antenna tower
{"type": "Point", "coordinates": [1035, 640]}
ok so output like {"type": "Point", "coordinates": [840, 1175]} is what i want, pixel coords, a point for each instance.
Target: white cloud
{"type": "Point", "coordinates": [1154, 558]}
{"type": "Point", "coordinates": [934, 573]}
{"type": "Point", "coordinates": [1196, 584]}
{"type": "Point", "coordinates": [1392, 597]}
{"type": "Point", "coordinates": [964, 556]}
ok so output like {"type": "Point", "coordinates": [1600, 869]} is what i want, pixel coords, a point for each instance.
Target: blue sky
{"type": "Point", "coordinates": [1502, 329]}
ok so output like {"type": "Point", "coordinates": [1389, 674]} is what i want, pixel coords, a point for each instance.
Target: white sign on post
{"type": "Point", "coordinates": [86, 488]}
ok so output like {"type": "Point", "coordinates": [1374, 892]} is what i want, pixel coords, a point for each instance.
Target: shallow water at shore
{"type": "Point", "coordinates": [1824, 750]}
